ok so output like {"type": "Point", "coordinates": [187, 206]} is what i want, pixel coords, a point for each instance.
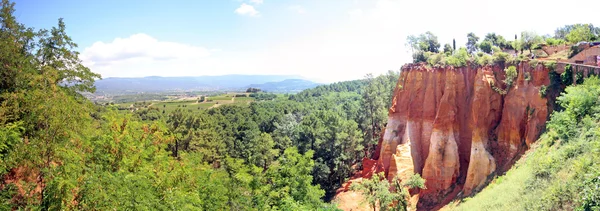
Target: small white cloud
{"type": "Point", "coordinates": [297, 8]}
{"type": "Point", "coordinates": [256, 1]}
{"type": "Point", "coordinates": [246, 9]}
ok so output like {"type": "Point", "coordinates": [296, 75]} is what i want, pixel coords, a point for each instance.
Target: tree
{"type": "Point", "coordinates": [448, 49]}
{"type": "Point", "coordinates": [429, 42]}
{"type": "Point", "coordinates": [580, 33]}
{"type": "Point", "coordinates": [57, 52]}
{"type": "Point", "coordinates": [376, 191]}
{"type": "Point", "coordinates": [426, 42]}
{"type": "Point", "coordinates": [291, 183]}
{"type": "Point", "coordinates": [562, 32]}
{"type": "Point", "coordinates": [412, 42]}
{"type": "Point", "coordinates": [486, 46]}
{"type": "Point", "coordinates": [530, 40]}
{"type": "Point", "coordinates": [453, 44]}
{"type": "Point", "coordinates": [252, 90]}
{"type": "Point", "coordinates": [472, 40]}
{"type": "Point", "coordinates": [517, 45]}
{"type": "Point", "coordinates": [414, 181]}
{"type": "Point", "coordinates": [496, 40]}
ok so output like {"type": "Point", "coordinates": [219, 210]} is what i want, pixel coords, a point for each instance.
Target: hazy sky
{"type": "Point", "coordinates": [323, 40]}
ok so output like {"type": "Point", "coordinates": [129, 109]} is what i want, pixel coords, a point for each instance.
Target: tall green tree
{"type": "Point", "coordinates": [580, 33]}
{"type": "Point", "coordinates": [472, 40]}
{"type": "Point", "coordinates": [530, 40]}
{"type": "Point", "coordinates": [448, 49]}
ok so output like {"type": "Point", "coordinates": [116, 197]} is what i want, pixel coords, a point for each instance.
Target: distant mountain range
{"type": "Point", "coordinates": [287, 86]}
{"type": "Point", "coordinates": [271, 83]}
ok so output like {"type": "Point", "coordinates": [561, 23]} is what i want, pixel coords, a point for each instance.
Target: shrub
{"type": "Point", "coordinates": [581, 100]}
{"type": "Point", "coordinates": [511, 74]}
{"type": "Point", "coordinates": [590, 197]}
{"type": "Point", "coordinates": [421, 56]}
{"type": "Point", "coordinates": [501, 57]}
{"type": "Point", "coordinates": [551, 65]}
{"type": "Point", "coordinates": [567, 76]}
{"type": "Point", "coordinates": [459, 59]}
{"type": "Point", "coordinates": [555, 41]}
{"type": "Point", "coordinates": [579, 76]}
{"type": "Point", "coordinates": [574, 50]}
{"type": "Point", "coordinates": [496, 49]}
{"type": "Point", "coordinates": [543, 90]}
{"type": "Point", "coordinates": [484, 59]}
{"type": "Point", "coordinates": [527, 76]}
{"type": "Point", "coordinates": [437, 59]}
{"type": "Point", "coordinates": [533, 63]}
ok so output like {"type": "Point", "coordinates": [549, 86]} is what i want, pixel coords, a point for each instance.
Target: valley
{"type": "Point", "coordinates": [220, 105]}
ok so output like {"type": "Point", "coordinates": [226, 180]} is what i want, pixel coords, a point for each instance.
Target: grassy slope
{"type": "Point", "coordinates": [557, 173]}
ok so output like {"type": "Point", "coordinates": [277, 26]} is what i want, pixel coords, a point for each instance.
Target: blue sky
{"type": "Point", "coordinates": [323, 40]}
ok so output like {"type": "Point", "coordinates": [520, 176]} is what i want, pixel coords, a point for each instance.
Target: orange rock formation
{"type": "Point", "coordinates": [455, 128]}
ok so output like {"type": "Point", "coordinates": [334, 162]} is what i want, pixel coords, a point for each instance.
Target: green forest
{"type": "Point", "coordinates": [62, 152]}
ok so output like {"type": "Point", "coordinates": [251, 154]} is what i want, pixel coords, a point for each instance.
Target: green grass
{"type": "Point", "coordinates": [219, 98]}
{"type": "Point", "coordinates": [502, 190]}
{"type": "Point", "coordinates": [170, 106]}
{"type": "Point", "coordinates": [549, 178]}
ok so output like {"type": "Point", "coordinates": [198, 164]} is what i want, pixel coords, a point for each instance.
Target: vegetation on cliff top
{"type": "Point", "coordinates": [494, 49]}
{"type": "Point", "coordinates": [562, 170]}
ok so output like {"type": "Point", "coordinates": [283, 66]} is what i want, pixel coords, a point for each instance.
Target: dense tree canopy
{"type": "Point", "coordinates": [419, 45]}
{"type": "Point", "coordinates": [61, 152]}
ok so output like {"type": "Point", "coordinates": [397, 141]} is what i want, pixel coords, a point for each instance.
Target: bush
{"type": "Point", "coordinates": [581, 100]}
{"type": "Point", "coordinates": [511, 74]}
{"type": "Point", "coordinates": [438, 59]}
{"type": "Point", "coordinates": [527, 76]}
{"type": "Point", "coordinates": [543, 90]}
{"type": "Point", "coordinates": [534, 63]}
{"type": "Point", "coordinates": [567, 76]}
{"type": "Point", "coordinates": [484, 59]}
{"type": "Point", "coordinates": [459, 59]}
{"type": "Point", "coordinates": [551, 65]}
{"type": "Point", "coordinates": [590, 197]}
{"type": "Point", "coordinates": [502, 57]}
{"type": "Point", "coordinates": [554, 41]}
{"type": "Point", "coordinates": [419, 56]}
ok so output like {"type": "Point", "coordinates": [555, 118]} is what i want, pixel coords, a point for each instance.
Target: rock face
{"type": "Point", "coordinates": [459, 127]}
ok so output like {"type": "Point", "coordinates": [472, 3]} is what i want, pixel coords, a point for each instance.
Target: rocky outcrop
{"type": "Point", "coordinates": [461, 126]}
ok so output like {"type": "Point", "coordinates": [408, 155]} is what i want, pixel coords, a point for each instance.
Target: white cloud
{"type": "Point", "coordinates": [256, 1]}
{"type": "Point", "coordinates": [332, 42]}
{"type": "Point", "coordinates": [248, 10]}
{"type": "Point", "coordinates": [138, 48]}
{"type": "Point", "coordinates": [298, 9]}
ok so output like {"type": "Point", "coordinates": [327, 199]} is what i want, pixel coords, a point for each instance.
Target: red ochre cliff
{"type": "Point", "coordinates": [455, 128]}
